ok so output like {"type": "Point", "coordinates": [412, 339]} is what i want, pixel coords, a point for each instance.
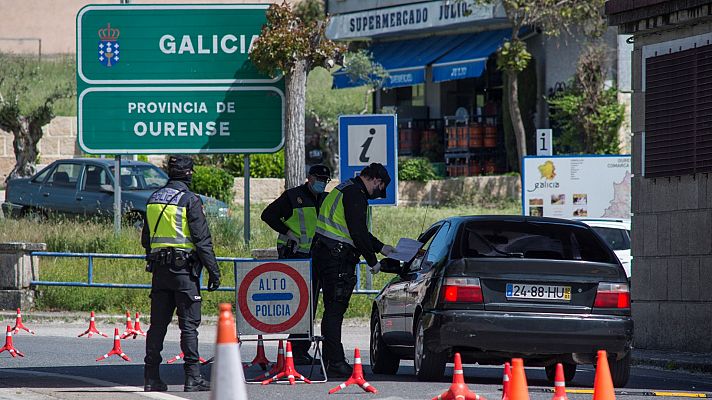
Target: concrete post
{"type": "Point", "coordinates": [17, 269]}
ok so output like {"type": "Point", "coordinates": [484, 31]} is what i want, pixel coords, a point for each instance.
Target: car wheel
{"type": "Point", "coordinates": [429, 366]}
{"type": "Point", "coordinates": [620, 370]}
{"type": "Point", "coordinates": [569, 372]}
{"type": "Point", "coordinates": [383, 361]}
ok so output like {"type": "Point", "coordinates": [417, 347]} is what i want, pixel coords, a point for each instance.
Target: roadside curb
{"type": "Point", "coordinates": [670, 360]}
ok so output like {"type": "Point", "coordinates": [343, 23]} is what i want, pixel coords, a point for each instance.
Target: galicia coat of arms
{"type": "Point", "coordinates": [108, 46]}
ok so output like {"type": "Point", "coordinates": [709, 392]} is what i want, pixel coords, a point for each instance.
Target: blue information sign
{"type": "Point", "coordinates": [366, 139]}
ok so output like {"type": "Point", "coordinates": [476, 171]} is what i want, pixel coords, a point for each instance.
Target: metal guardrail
{"type": "Point", "coordinates": [91, 257]}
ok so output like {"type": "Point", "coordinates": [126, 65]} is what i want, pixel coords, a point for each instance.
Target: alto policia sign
{"type": "Point", "coordinates": [174, 79]}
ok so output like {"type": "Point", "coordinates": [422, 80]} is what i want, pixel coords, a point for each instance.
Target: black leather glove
{"type": "Point", "coordinates": [213, 283]}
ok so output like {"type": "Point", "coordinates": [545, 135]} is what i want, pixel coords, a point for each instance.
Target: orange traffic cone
{"type": "Point", "coordinates": [276, 368]}
{"type": "Point", "coordinates": [19, 325]}
{"type": "Point", "coordinates": [180, 357]}
{"type": "Point", "coordinates": [559, 384]}
{"type": "Point", "coordinates": [356, 377]}
{"type": "Point", "coordinates": [289, 372]}
{"type": "Point", "coordinates": [228, 380]}
{"type": "Point", "coordinates": [260, 359]}
{"type": "Point", "coordinates": [603, 383]}
{"type": "Point", "coordinates": [116, 350]}
{"type": "Point", "coordinates": [129, 327]}
{"type": "Point", "coordinates": [505, 381]}
{"type": "Point", "coordinates": [518, 389]}
{"type": "Point", "coordinates": [92, 328]}
{"type": "Point", "coordinates": [137, 327]}
{"type": "Point", "coordinates": [458, 390]}
{"type": "Point", "coordinates": [9, 346]}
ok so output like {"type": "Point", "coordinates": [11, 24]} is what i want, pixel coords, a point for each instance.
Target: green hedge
{"type": "Point", "coordinates": [415, 169]}
{"type": "Point", "coordinates": [213, 182]}
{"type": "Point", "coordinates": [261, 165]}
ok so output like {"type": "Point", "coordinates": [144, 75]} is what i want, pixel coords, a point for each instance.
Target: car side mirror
{"type": "Point", "coordinates": [391, 266]}
{"type": "Point", "coordinates": [106, 188]}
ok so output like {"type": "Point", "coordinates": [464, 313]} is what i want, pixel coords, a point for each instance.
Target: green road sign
{"type": "Point", "coordinates": [168, 44]}
{"type": "Point", "coordinates": [156, 79]}
{"type": "Point", "coordinates": [205, 119]}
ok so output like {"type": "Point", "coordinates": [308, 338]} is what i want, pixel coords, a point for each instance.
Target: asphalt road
{"type": "Point", "coordinates": [58, 365]}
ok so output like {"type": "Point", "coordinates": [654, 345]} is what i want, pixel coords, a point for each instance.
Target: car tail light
{"type": "Point", "coordinates": [612, 295]}
{"type": "Point", "coordinates": [462, 290]}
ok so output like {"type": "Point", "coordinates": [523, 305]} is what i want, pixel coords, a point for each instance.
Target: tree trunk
{"type": "Point", "coordinates": [25, 141]}
{"type": "Point", "coordinates": [294, 157]}
{"type": "Point", "coordinates": [515, 114]}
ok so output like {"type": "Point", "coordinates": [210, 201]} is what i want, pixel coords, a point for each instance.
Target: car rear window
{"type": "Point", "coordinates": [616, 238]}
{"type": "Point", "coordinates": [528, 239]}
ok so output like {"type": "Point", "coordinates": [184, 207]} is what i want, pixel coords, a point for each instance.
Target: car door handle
{"type": "Point", "coordinates": [80, 198]}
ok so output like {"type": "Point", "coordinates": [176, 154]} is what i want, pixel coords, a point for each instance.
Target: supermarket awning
{"type": "Point", "coordinates": [469, 58]}
{"type": "Point", "coordinates": [405, 60]}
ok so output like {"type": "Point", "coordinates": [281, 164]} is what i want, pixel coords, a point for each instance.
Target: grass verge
{"type": "Point", "coordinates": [96, 235]}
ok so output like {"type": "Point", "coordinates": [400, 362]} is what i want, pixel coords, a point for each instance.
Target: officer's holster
{"type": "Point", "coordinates": [176, 261]}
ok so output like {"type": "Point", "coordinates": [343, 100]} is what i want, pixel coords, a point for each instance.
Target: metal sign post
{"type": "Point", "coordinates": [246, 227]}
{"type": "Point", "coordinates": [117, 195]}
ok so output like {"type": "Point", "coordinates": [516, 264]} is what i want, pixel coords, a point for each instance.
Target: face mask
{"type": "Point", "coordinates": [377, 193]}
{"type": "Point", "coordinates": [318, 187]}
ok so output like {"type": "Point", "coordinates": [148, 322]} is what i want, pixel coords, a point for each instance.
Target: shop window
{"type": "Point", "coordinates": [418, 98]}
{"type": "Point", "coordinates": [678, 122]}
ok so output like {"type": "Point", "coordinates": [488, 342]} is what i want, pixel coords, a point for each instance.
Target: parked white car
{"type": "Point", "coordinates": [616, 232]}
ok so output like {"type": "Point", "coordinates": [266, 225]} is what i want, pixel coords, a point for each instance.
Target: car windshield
{"type": "Point", "coordinates": [141, 177]}
{"type": "Point", "coordinates": [533, 240]}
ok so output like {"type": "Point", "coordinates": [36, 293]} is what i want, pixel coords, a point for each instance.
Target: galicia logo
{"type": "Point", "coordinates": [108, 46]}
{"type": "Point", "coordinates": [548, 173]}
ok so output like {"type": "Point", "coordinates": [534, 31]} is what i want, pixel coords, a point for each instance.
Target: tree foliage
{"type": "Point", "coordinates": [361, 68]}
{"type": "Point", "coordinates": [293, 43]}
{"type": "Point", "coordinates": [22, 117]}
{"type": "Point", "coordinates": [551, 16]}
{"type": "Point", "coordinates": [587, 112]}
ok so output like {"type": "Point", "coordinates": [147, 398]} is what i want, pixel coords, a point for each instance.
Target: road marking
{"type": "Point", "coordinates": [696, 395]}
{"type": "Point", "coordinates": [98, 382]}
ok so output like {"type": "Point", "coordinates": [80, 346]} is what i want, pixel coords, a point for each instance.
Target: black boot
{"type": "Point", "coordinates": [196, 384]}
{"type": "Point", "coordinates": [152, 379]}
{"type": "Point", "coordinates": [154, 385]}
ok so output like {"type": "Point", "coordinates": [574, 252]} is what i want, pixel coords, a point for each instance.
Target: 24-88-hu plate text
{"type": "Point", "coordinates": [517, 291]}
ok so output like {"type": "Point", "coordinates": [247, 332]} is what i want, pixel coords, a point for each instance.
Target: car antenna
{"type": "Point", "coordinates": [422, 225]}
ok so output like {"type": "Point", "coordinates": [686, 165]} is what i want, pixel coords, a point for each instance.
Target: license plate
{"type": "Point", "coordinates": [519, 291]}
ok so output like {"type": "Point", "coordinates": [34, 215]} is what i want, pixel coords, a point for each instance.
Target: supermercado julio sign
{"type": "Point", "coordinates": [273, 297]}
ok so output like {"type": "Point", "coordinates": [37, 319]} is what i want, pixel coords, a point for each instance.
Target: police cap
{"type": "Point", "coordinates": [320, 171]}
{"type": "Point", "coordinates": [179, 165]}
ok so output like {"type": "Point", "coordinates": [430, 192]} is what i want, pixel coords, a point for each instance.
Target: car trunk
{"type": "Point", "coordinates": [548, 286]}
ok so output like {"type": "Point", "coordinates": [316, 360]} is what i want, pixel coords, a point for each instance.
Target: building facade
{"type": "Point", "coordinates": [443, 82]}
{"type": "Point", "coordinates": [672, 161]}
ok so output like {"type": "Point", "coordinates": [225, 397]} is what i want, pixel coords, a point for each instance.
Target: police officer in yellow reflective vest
{"type": "Point", "coordinates": [342, 236]}
{"type": "Point", "coordinates": [293, 215]}
{"type": "Point", "coordinates": [178, 245]}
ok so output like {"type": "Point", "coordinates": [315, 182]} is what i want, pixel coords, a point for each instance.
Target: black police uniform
{"type": "Point", "coordinates": [273, 215]}
{"type": "Point", "coordinates": [336, 265]}
{"type": "Point", "coordinates": [177, 288]}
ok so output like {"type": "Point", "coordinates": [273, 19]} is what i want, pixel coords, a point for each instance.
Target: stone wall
{"type": "Point", "coordinates": [672, 236]}
{"type": "Point", "coordinates": [59, 141]}
{"type": "Point", "coordinates": [469, 190]}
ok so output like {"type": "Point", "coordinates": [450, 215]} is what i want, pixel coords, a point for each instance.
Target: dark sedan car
{"type": "Point", "coordinates": [497, 287]}
{"type": "Point", "coordinates": [85, 186]}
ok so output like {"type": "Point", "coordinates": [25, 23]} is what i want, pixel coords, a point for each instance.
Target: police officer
{"type": "Point", "coordinates": [342, 236]}
{"type": "Point", "coordinates": [293, 215]}
{"type": "Point", "coordinates": [178, 245]}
